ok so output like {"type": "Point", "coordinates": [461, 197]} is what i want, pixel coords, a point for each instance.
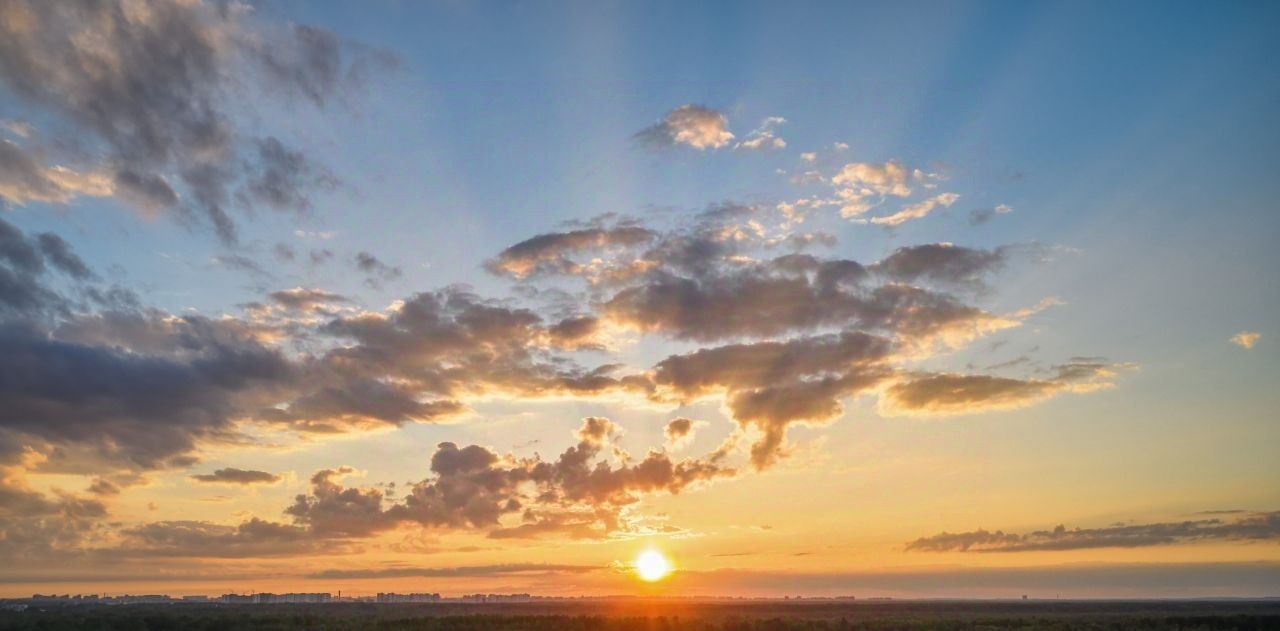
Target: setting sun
{"type": "Point", "coordinates": [652, 566]}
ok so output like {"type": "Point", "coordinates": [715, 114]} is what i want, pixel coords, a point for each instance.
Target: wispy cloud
{"type": "Point", "coordinates": [1251, 527]}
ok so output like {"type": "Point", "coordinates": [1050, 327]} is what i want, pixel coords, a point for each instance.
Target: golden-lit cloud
{"type": "Point", "coordinates": [692, 125]}
{"type": "Point", "coordinates": [1246, 339]}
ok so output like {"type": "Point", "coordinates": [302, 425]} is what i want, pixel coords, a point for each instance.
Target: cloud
{"type": "Point", "coordinates": [375, 269]}
{"type": "Point", "coordinates": [693, 125]}
{"type": "Point", "coordinates": [1251, 527]}
{"type": "Point", "coordinates": [172, 144]}
{"type": "Point", "coordinates": [1246, 339]}
{"type": "Point", "coordinates": [133, 409]}
{"type": "Point", "coordinates": [474, 488]}
{"type": "Point", "coordinates": [763, 137]}
{"type": "Point", "coordinates": [680, 432]}
{"type": "Point", "coordinates": [771, 385]}
{"type": "Point", "coordinates": [24, 177]}
{"type": "Point", "coordinates": [949, 393]}
{"type": "Point", "coordinates": [860, 186]}
{"type": "Point", "coordinates": [549, 253]}
{"type": "Point", "coordinates": [196, 539]}
{"type": "Point", "coordinates": [917, 210]}
{"type": "Point", "coordinates": [505, 569]}
{"type": "Point", "coordinates": [979, 216]}
{"type": "Point", "coordinates": [305, 299]}
{"type": "Point", "coordinates": [120, 388]}
{"type": "Point", "coordinates": [242, 263]}
{"type": "Point", "coordinates": [231, 475]}
{"type": "Point", "coordinates": [940, 262]}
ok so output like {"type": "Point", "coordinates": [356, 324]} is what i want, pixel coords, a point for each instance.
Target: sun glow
{"type": "Point", "coordinates": [652, 566]}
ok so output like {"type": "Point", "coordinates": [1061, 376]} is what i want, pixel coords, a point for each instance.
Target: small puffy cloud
{"type": "Point", "coordinates": [1250, 527]}
{"type": "Point", "coordinates": [809, 156]}
{"type": "Point", "coordinates": [980, 216]}
{"type": "Point", "coordinates": [232, 475]}
{"type": "Point", "coordinates": [679, 432]}
{"type": "Point", "coordinates": [860, 186]}
{"type": "Point", "coordinates": [693, 125]}
{"type": "Point", "coordinates": [917, 210]}
{"type": "Point", "coordinates": [764, 136]}
{"type": "Point", "coordinates": [1246, 339]}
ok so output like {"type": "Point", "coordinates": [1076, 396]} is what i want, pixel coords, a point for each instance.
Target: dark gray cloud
{"type": "Point", "coordinates": [375, 269]}
{"type": "Point", "coordinates": [58, 253]}
{"type": "Point", "coordinates": [132, 409]}
{"type": "Point", "coordinates": [232, 475]}
{"type": "Point", "coordinates": [154, 94]}
{"type": "Point", "coordinates": [417, 361]}
{"type": "Point", "coordinates": [121, 388]}
{"type": "Point", "coordinates": [25, 263]}
{"type": "Point", "coordinates": [1250, 527]}
{"type": "Point", "coordinates": [941, 263]}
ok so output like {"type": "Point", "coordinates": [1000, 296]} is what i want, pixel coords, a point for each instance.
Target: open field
{"type": "Point", "coordinates": [626, 615]}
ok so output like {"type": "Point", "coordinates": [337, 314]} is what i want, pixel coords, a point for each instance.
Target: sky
{"type": "Point", "coordinates": [910, 299]}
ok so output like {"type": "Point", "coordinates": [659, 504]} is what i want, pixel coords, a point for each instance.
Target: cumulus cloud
{"type": "Point", "coordinates": [152, 84]}
{"type": "Point", "coordinates": [475, 488]}
{"type": "Point", "coordinates": [860, 186]}
{"type": "Point", "coordinates": [693, 125]}
{"type": "Point", "coordinates": [704, 281]}
{"type": "Point", "coordinates": [1250, 527]}
{"type": "Point", "coordinates": [232, 475]}
{"type": "Point", "coordinates": [139, 410]}
{"type": "Point", "coordinates": [1246, 339]}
